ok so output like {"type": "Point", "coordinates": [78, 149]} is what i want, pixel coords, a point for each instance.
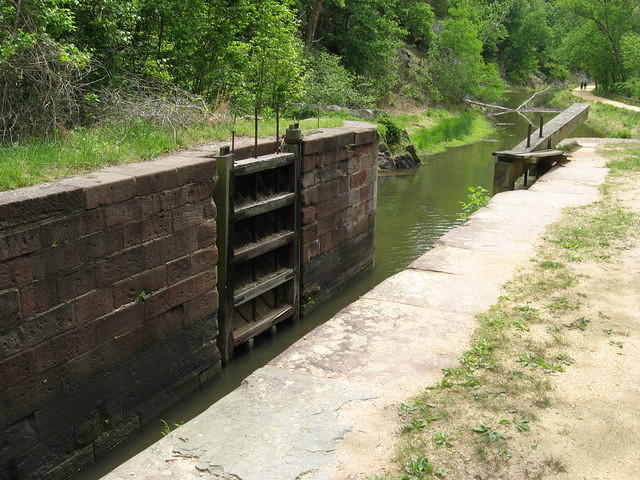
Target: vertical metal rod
{"type": "Point", "coordinates": [233, 141]}
{"type": "Point", "coordinates": [255, 137]}
{"type": "Point", "coordinates": [278, 123]}
{"type": "Point", "coordinates": [529, 128]}
{"type": "Point", "coordinates": [526, 175]}
{"type": "Point", "coordinates": [541, 120]}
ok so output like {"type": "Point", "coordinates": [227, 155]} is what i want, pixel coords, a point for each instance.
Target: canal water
{"type": "Point", "coordinates": [414, 210]}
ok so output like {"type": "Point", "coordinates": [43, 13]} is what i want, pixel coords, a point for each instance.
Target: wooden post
{"type": "Point", "coordinates": [223, 198]}
{"type": "Point", "coordinates": [529, 128]}
{"type": "Point", "coordinates": [294, 144]}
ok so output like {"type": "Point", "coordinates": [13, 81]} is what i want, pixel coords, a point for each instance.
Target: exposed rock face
{"type": "Point", "coordinates": [404, 161]}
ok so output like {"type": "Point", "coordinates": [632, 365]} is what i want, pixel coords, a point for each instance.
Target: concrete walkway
{"type": "Point", "coordinates": [588, 95]}
{"type": "Point", "coordinates": [327, 407]}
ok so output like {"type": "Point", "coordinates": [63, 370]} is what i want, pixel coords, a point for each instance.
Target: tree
{"type": "Point", "coordinates": [366, 34]}
{"type": "Point", "coordinates": [606, 22]}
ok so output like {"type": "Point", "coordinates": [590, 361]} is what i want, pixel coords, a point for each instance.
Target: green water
{"type": "Point", "coordinates": [414, 210]}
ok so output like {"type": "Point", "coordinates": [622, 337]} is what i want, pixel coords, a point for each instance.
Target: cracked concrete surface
{"type": "Point", "coordinates": [326, 408]}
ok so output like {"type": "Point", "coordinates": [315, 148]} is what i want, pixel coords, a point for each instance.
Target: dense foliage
{"type": "Point", "coordinates": [63, 61]}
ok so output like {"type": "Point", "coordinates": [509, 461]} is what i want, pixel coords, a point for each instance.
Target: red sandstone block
{"type": "Point", "coordinates": [38, 297]}
{"type": "Point", "coordinates": [358, 179]}
{"type": "Point", "coordinates": [25, 269]}
{"type": "Point", "coordinates": [179, 293]}
{"type": "Point", "coordinates": [355, 164]}
{"type": "Point", "coordinates": [17, 369]}
{"type": "Point", "coordinates": [122, 212]}
{"type": "Point", "coordinates": [309, 162]}
{"type": "Point", "coordinates": [308, 215]}
{"type": "Point", "coordinates": [326, 242]}
{"type": "Point", "coordinates": [316, 248]}
{"type": "Point", "coordinates": [137, 287]}
{"type": "Point", "coordinates": [71, 227]}
{"type": "Point", "coordinates": [187, 216]}
{"type": "Point", "coordinates": [207, 234]}
{"type": "Point", "coordinates": [197, 168]}
{"type": "Point", "coordinates": [205, 259]}
{"type": "Point", "coordinates": [103, 188]}
{"type": "Point", "coordinates": [327, 190]}
{"type": "Point", "coordinates": [93, 305]}
{"type": "Point", "coordinates": [131, 344]}
{"type": "Point", "coordinates": [327, 142]}
{"type": "Point", "coordinates": [165, 326]}
{"type": "Point", "coordinates": [150, 177]}
{"type": "Point", "coordinates": [342, 184]}
{"type": "Point", "coordinates": [201, 191]}
{"type": "Point", "coordinates": [37, 202]}
{"type": "Point", "coordinates": [22, 242]}
{"type": "Point", "coordinates": [360, 227]}
{"type": "Point", "coordinates": [59, 257]}
{"type": "Point", "coordinates": [99, 245]}
{"type": "Point", "coordinates": [366, 192]}
{"type": "Point", "coordinates": [166, 249]}
{"type": "Point", "coordinates": [306, 253]}
{"type": "Point", "coordinates": [66, 346]}
{"type": "Point", "coordinates": [309, 233]}
{"type": "Point", "coordinates": [5, 276]}
{"type": "Point", "coordinates": [366, 137]}
{"type": "Point", "coordinates": [171, 199]}
{"type": "Point", "coordinates": [16, 439]}
{"type": "Point", "coordinates": [179, 269]}
{"type": "Point", "coordinates": [149, 228]}
{"type": "Point", "coordinates": [119, 321]}
{"type": "Point", "coordinates": [47, 325]}
{"type": "Point", "coordinates": [120, 266]}
{"type": "Point", "coordinates": [310, 196]}
{"type": "Point", "coordinates": [98, 359]}
{"type": "Point", "coordinates": [10, 343]}
{"type": "Point", "coordinates": [9, 309]}
{"type": "Point", "coordinates": [201, 307]}
{"type": "Point", "coordinates": [339, 236]}
{"type": "Point", "coordinates": [354, 197]}
{"type": "Point", "coordinates": [370, 206]}
{"type": "Point", "coordinates": [28, 395]}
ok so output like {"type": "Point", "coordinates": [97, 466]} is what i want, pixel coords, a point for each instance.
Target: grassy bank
{"type": "Point", "coordinates": [606, 120]}
{"type": "Point", "coordinates": [434, 130]}
{"type": "Point", "coordinates": [482, 419]}
{"type": "Point", "coordinates": [86, 149]}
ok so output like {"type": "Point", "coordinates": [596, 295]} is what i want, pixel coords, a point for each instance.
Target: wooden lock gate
{"type": "Point", "coordinates": [258, 242]}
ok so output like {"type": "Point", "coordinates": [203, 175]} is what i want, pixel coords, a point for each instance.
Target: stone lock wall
{"type": "Point", "coordinates": [108, 300]}
{"type": "Point", "coordinates": [338, 193]}
{"type": "Point", "coordinates": [108, 308]}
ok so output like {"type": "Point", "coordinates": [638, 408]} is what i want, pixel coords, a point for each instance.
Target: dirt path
{"type": "Point", "coordinates": [593, 427]}
{"type": "Point", "coordinates": [588, 95]}
{"type": "Point", "coordinates": [550, 388]}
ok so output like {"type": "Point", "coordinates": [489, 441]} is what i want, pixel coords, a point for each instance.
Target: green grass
{"type": "Point", "coordinates": [605, 120]}
{"type": "Point", "coordinates": [86, 149]}
{"type": "Point", "coordinates": [435, 130]}
{"type": "Point", "coordinates": [625, 158]}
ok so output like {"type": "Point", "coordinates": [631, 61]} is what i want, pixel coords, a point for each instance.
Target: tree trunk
{"type": "Point", "coordinates": [313, 23]}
